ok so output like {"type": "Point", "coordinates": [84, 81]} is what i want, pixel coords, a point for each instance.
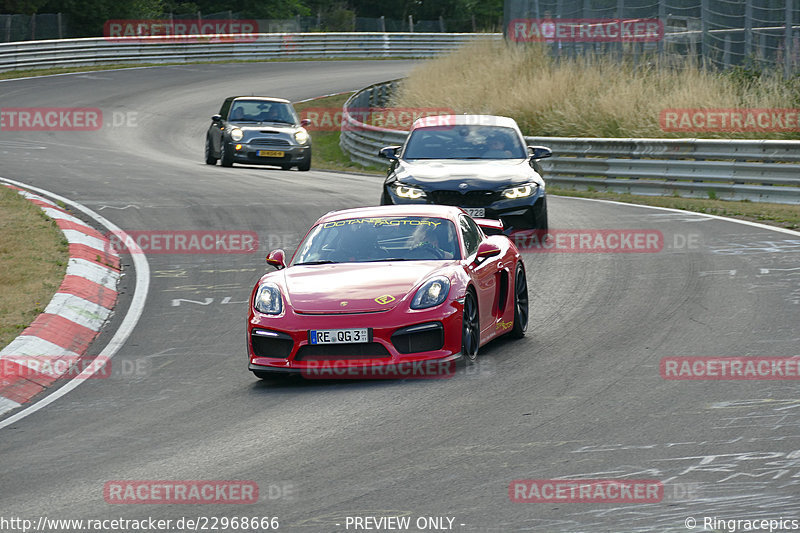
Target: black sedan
{"type": "Point", "coordinates": [477, 162]}
{"type": "Point", "coordinates": [258, 130]}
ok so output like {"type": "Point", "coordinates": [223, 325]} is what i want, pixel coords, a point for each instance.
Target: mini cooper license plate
{"type": "Point", "coordinates": [339, 336]}
{"type": "Point", "coordinates": [475, 211]}
{"type": "Point", "coordinates": [270, 153]}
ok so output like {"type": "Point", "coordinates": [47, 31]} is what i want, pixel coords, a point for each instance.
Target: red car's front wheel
{"type": "Point", "coordinates": [470, 329]}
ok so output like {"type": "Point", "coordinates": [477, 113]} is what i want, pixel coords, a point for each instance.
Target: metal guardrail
{"type": "Point", "coordinates": [159, 49]}
{"type": "Point", "coordinates": [759, 171]}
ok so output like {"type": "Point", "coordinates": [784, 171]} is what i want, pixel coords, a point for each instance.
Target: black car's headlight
{"type": "Point", "coordinates": [432, 293]}
{"type": "Point", "coordinates": [407, 191]}
{"type": "Point", "coordinates": [521, 191]}
{"type": "Point", "coordinates": [301, 136]}
{"type": "Point", "coordinates": [237, 134]}
{"type": "Point", "coordinates": [268, 299]}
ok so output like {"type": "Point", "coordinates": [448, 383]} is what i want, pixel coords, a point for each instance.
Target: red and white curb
{"type": "Point", "coordinates": [72, 319]}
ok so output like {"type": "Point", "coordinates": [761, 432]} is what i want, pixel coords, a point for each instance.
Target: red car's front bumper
{"type": "Point", "coordinates": [403, 343]}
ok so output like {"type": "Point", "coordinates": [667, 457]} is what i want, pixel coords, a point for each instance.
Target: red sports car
{"type": "Point", "coordinates": [390, 291]}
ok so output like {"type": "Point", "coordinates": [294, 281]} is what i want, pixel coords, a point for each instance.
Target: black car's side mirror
{"type": "Point", "coordinates": [216, 118]}
{"type": "Point", "coordinates": [539, 152]}
{"type": "Point", "coordinates": [389, 152]}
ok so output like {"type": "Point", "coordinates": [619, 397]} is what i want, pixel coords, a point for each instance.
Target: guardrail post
{"type": "Point", "coordinates": [787, 47]}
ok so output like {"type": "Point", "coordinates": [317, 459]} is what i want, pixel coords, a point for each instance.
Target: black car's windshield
{"type": "Point", "coordinates": [379, 239]}
{"type": "Point", "coordinates": [464, 142]}
{"type": "Point", "coordinates": [262, 111]}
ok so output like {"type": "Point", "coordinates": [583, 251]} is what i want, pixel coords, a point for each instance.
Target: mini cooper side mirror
{"type": "Point", "coordinates": [277, 258]}
{"type": "Point", "coordinates": [305, 122]}
{"type": "Point", "coordinates": [539, 152]}
{"type": "Point", "coordinates": [485, 251]}
{"type": "Point", "coordinates": [216, 118]}
{"type": "Point", "coordinates": [389, 152]}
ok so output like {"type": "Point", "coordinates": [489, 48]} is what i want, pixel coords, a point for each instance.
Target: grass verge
{"type": "Point", "coordinates": [590, 96]}
{"type": "Point", "coordinates": [326, 152]}
{"type": "Point", "coordinates": [33, 260]}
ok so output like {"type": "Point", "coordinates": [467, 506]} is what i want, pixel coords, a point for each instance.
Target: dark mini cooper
{"type": "Point", "coordinates": [477, 162]}
{"type": "Point", "coordinates": [258, 130]}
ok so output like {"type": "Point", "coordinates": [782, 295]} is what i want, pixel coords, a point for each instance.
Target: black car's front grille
{"type": "Point", "coordinates": [271, 344]}
{"type": "Point", "coordinates": [270, 142]}
{"type": "Point", "coordinates": [468, 199]}
{"type": "Point", "coordinates": [333, 352]}
{"type": "Point", "coordinates": [419, 338]}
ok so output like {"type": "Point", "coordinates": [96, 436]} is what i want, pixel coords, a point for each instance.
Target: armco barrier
{"type": "Point", "coordinates": [100, 51]}
{"type": "Point", "coordinates": [759, 171]}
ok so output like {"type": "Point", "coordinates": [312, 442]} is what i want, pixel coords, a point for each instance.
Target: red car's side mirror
{"type": "Point", "coordinates": [277, 259]}
{"type": "Point", "coordinates": [486, 250]}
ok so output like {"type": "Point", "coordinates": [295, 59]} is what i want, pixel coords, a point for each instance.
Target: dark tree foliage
{"type": "Point", "coordinates": [88, 16]}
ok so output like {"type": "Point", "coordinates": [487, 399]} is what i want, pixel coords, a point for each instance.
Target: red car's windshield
{"type": "Point", "coordinates": [370, 239]}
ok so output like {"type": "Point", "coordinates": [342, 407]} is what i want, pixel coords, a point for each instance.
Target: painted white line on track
{"type": "Point", "coordinates": [124, 330]}
{"type": "Point", "coordinates": [684, 211]}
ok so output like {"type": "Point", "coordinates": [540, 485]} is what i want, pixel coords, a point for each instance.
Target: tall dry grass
{"type": "Point", "coordinates": [598, 97]}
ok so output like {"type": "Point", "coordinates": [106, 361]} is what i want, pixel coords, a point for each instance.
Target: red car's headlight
{"type": "Point", "coordinates": [432, 293]}
{"type": "Point", "coordinates": [268, 299]}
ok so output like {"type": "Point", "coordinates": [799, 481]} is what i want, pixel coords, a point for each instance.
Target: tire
{"type": "Point", "coordinates": [521, 311]}
{"type": "Point", "coordinates": [470, 329]}
{"type": "Point", "coordinates": [540, 215]}
{"type": "Point", "coordinates": [210, 159]}
{"type": "Point", "coordinates": [225, 157]}
{"type": "Point", "coordinates": [305, 164]}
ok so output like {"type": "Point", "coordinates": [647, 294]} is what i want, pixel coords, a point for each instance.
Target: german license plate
{"type": "Point", "coordinates": [339, 336]}
{"type": "Point", "coordinates": [270, 153]}
{"type": "Point", "coordinates": [475, 211]}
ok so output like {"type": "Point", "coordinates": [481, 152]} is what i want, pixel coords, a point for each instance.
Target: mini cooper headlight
{"type": "Point", "coordinates": [521, 191]}
{"type": "Point", "coordinates": [301, 136]}
{"type": "Point", "coordinates": [432, 293]}
{"type": "Point", "coordinates": [237, 134]}
{"type": "Point", "coordinates": [268, 299]}
{"type": "Point", "coordinates": [405, 191]}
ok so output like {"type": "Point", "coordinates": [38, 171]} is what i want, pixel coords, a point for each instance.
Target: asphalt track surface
{"type": "Point", "coordinates": [580, 397]}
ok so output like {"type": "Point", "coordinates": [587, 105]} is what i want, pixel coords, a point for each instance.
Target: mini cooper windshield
{"type": "Point", "coordinates": [464, 142]}
{"type": "Point", "coordinates": [262, 111]}
{"type": "Point", "coordinates": [379, 239]}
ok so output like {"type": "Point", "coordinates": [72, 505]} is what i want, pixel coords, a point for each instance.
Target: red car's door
{"type": "Point", "coordinates": [483, 274]}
